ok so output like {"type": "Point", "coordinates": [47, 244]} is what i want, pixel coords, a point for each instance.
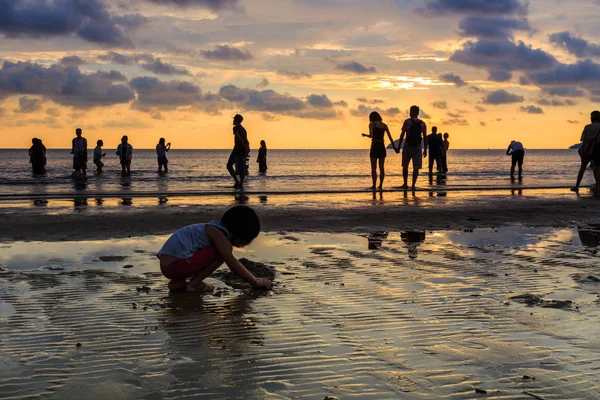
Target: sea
{"type": "Point", "coordinates": [203, 172]}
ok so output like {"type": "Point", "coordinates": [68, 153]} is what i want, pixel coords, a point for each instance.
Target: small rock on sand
{"type": "Point", "coordinates": [112, 258]}
{"type": "Point", "coordinates": [128, 266]}
{"type": "Point", "coordinates": [78, 345]}
{"type": "Point", "coordinates": [480, 391]}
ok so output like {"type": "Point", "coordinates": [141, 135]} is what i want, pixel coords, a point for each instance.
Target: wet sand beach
{"type": "Point", "coordinates": [498, 313]}
{"type": "Point", "coordinates": [100, 218]}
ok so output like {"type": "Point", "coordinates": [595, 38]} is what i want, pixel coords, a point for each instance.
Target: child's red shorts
{"type": "Point", "coordinates": [182, 269]}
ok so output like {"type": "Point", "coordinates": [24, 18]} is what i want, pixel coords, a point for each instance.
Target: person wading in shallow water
{"type": "Point", "coordinates": [161, 154]}
{"type": "Point", "coordinates": [517, 151]}
{"type": "Point", "coordinates": [79, 151]}
{"type": "Point", "coordinates": [240, 150]}
{"type": "Point", "coordinates": [377, 131]}
{"type": "Point", "coordinates": [125, 153]}
{"type": "Point", "coordinates": [37, 156]}
{"type": "Point", "coordinates": [589, 136]}
{"type": "Point", "coordinates": [415, 131]}
{"type": "Point", "coordinates": [262, 157]}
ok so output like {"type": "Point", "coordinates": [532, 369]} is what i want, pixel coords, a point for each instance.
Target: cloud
{"type": "Point", "coordinates": [369, 101]}
{"type": "Point", "coordinates": [503, 55]}
{"type": "Point", "coordinates": [364, 111]}
{"type": "Point", "coordinates": [341, 103]}
{"type": "Point", "coordinates": [575, 45]}
{"type": "Point", "coordinates": [162, 68]}
{"type": "Point", "coordinates": [472, 7]}
{"type": "Point", "coordinates": [531, 110]}
{"type": "Point", "coordinates": [126, 124]}
{"type": "Point", "coordinates": [356, 68]}
{"type": "Point", "coordinates": [319, 101]}
{"type": "Point", "coordinates": [154, 94]}
{"type": "Point", "coordinates": [482, 123]}
{"type": "Point", "coordinates": [570, 121]}
{"type": "Point", "coordinates": [440, 104]}
{"type": "Point", "coordinates": [501, 96]}
{"type": "Point", "coordinates": [582, 72]}
{"type": "Point", "coordinates": [226, 53]}
{"type": "Point", "coordinates": [72, 61]}
{"type": "Point", "coordinates": [63, 85]}
{"type": "Point", "coordinates": [89, 20]}
{"type": "Point", "coordinates": [500, 76]}
{"type": "Point", "coordinates": [271, 102]}
{"type": "Point", "coordinates": [126, 59]}
{"type": "Point", "coordinates": [28, 105]}
{"type": "Point", "coordinates": [263, 84]}
{"type": "Point", "coordinates": [293, 74]}
{"type": "Point", "coordinates": [555, 103]}
{"type": "Point", "coordinates": [53, 111]}
{"type": "Point", "coordinates": [452, 78]}
{"type": "Point", "coordinates": [214, 5]}
{"type": "Point", "coordinates": [480, 109]}
{"type": "Point", "coordinates": [564, 91]}
{"type": "Point", "coordinates": [492, 27]}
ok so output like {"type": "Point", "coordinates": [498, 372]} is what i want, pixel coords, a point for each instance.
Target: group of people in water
{"type": "Point", "coordinates": [414, 143]}
{"type": "Point", "coordinates": [79, 149]}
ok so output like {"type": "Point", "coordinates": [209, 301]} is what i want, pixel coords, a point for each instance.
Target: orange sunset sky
{"type": "Point", "coordinates": [305, 74]}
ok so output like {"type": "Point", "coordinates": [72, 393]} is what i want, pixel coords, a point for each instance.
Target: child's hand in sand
{"type": "Point", "coordinates": [262, 283]}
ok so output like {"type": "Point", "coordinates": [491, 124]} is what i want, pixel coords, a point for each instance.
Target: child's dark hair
{"type": "Point", "coordinates": [242, 223]}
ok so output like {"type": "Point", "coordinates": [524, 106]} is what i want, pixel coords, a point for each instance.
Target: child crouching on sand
{"type": "Point", "coordinates": [197, 250]}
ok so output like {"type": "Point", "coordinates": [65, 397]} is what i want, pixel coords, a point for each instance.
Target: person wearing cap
{"type": "Point", "coordinates": [589, 138]}
{"type": "Point", "coordinates": [240, 150]}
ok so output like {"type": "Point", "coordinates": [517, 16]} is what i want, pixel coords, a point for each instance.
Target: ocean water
{"type": "Point", "coordinates": [203, 171]}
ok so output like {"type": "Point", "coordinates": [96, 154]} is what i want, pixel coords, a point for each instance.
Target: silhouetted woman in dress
{"type": "Point", "coordinates": [377, 131]}
{"type": "Point", "coordinates": [262, 157]}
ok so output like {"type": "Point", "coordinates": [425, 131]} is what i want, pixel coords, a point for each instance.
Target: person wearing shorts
{"type": "Point", "coordinates": [517, 152]}
{"type": "Point", "coordinates": [415, 132]}
{"type": "Point", "coordinates": [161, 154]}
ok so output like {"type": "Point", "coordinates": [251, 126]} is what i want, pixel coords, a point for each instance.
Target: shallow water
{"type": "Point", "coordinates": [380, 315]}
{"type": "Point", "coordinates": [203, 172]}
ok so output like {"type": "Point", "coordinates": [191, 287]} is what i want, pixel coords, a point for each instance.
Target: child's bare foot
{"type": "Point", "coordinates": [177, 284]}
{"type": "Point", "coordinates": [201, 287]}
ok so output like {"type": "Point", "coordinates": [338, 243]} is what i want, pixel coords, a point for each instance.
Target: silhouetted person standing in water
{"type": "Point", "coordinates": [37, 156]}
{"type": "Point", "coordinates": [161, 153]}
{"type": "Point", "coordinates": [98, 156]}
{"type": "Point", "coordinates": [377, 131]}
{"type": "Point", "coordinates": [262, 157]}
{"type": "Point", "coordinates": [125, 153]}
{"type": "Point", "coordinates": [79, 151]}
{"type": "Point", "coordinates": [517, 151]}
{"type": "Point", "coordinates": [240, 150]}
{"type": "Point", "coordinates": [589, 136]}
{"type": "Point", "coordinates": [435, 150]}
{"type": "Point", "coordinates": [445, 147]}
{"type": "Point", "coordinates": [415, 131]}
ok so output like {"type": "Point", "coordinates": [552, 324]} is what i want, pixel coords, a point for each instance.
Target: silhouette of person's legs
{"type": "Point", "coordinates": [230, 163]}
{"type": "Point", "coordinates": [405, 177]}
{"type": "Point", "coordinates": [414, 178]}
{"type": "Point", "coordinates": [584, 163]}
{"type": "Point", "coordinates": [381, 172]}
{"type": "Point", "coordinates": [374, 171]}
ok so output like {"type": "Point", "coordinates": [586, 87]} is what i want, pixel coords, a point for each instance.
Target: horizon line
{"type": "Point", "coordinates": [292, 149]}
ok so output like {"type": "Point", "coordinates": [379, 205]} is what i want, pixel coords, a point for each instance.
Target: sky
{"type": "Point", "coordinates": [304, 73]}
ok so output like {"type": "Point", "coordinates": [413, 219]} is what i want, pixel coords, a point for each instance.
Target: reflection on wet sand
{"type": "Point", "coordinates": [476, 310]}
{"type": "Point", "coordinates": [413, 239]}
{"type": "Point", "coordinates": [376, 239]}
{"type": "Point", "coordinates": [590, 235]}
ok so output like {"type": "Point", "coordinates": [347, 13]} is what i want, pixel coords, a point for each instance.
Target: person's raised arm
{"type": "Point", "coordinates": [387, 130]}
{"type": "Point", "coordinates": [168, 147]}
{"type": "Point", "coordinates": [424, 133]}
{"type": "Point", "coordinates": [224, 248]}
